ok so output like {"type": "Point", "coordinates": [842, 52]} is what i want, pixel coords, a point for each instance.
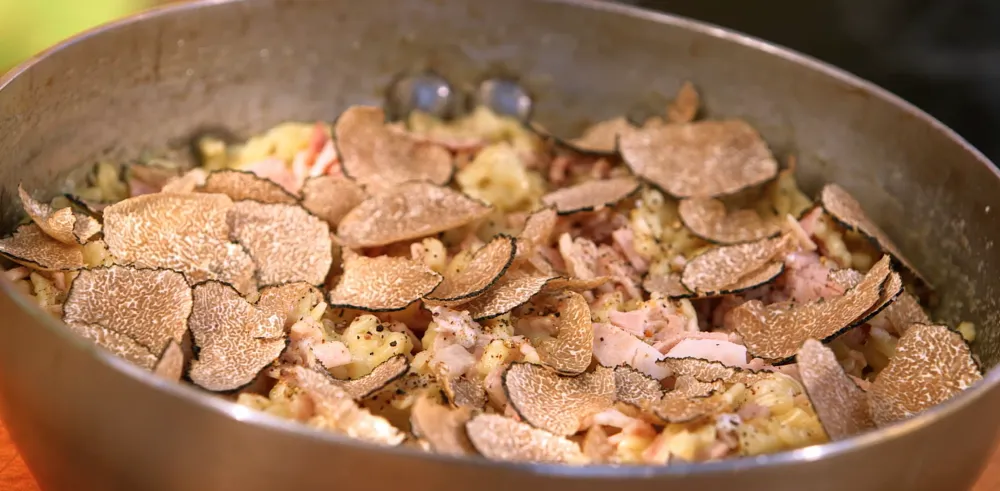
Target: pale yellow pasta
{"type": "Point", "coordinates": [498, 175]}
{"type": "Point", "coordinates": [370, 344]}
{"type": "Point", "coordinates": [281, 142]}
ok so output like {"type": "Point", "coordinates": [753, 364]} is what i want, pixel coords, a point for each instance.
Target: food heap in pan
{"type": "Point", "coordinates": [643, 294]}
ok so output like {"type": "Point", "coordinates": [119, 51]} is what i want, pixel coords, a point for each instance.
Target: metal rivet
{"type": "Point", "coordinates": [505, 97]}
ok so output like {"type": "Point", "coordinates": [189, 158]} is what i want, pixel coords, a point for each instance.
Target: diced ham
{"type": "Point", "coordinates": [613, 347]}
{"type": "Point", "coordinates": [632, 322]}
{"type": "Point", "coordinates": [612, 264]}
{"type": "Point", "coordinates": [186, 183]}
{"type": "Point", "coordinates": [454, 359]}
{"type": "Point", "coordinates": [455, 326]}
{"type": "Point", "coordinates": [623, 239]}
{"type": "Point", "coordinates": [493, 383]}
{"type": "Point", "coordinates": [615, 419]}
{"type": "Point", "coordinates": [580, 256]}
{"type": "Point", "coordinates": [327, 162]}
{"type": "Point", "coordinates": [18, 273]}
{"type": "Point", "coordinates": [276, 170]}
{"type": "Point", "coordinates": [719, 350]}
{"type": "Point", "coordinates": [332, 354]}
{"type": "Point", "coordinates": [806, 278]}
{"type": "Point", "coordinates": [558, 169]}
{"type": "Point", "coordinates": [396, 326]}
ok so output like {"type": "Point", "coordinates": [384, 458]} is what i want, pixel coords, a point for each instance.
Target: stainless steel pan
{"type": "Point", "coordinates": [85, 420]}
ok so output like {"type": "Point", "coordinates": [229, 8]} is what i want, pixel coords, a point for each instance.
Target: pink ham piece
{"type": "Point", "coordinates": [722, 351]}
{"type": "Point", "coordinates": [624, 241]}
{"type": "Point", "coordinates": [613, 347]}
{"type": "Point", "coordinates": [332, 354]}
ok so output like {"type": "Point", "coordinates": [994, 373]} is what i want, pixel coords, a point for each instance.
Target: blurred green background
{"type": "Point", "coordinates": [30, 26]}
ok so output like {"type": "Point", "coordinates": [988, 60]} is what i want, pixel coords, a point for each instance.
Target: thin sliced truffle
{"type": "Point", "coordinates": [501, 438]}
{"type": "Point", "coordinates": [222, 323]}
{"type": "Point", "coordinates": [484, 269]}
{"type": "Point", "coordinates": [591, 195]}
{"type": "Point", "coordinates": [932, 364]}
{"type": "Point", "coordinates": [180, 231]}
{"type": "Point", "coordinates": [382, 284]}
{"type": "Point", "coordinates": [841, 405]}
{"type": "Point", "coordinates": [463, 392]}
{"type": "Point", "coordinates": [511, 291]}
{"type": "Point", "coordinates": [668, 285]}
{"type": "Point", "coordinates": [556, 403]}
{"type": "Point", "coordinates": [338, 411]}
{"type": "Point", "coordinates": [171, 363]}
{"type": "Point", "coordinates": [710, 371]}
{"type": "Point", "coordinates": [775, 332]}
{"type": "Point", "coordinates": [891, 290]}
{"type": "Point", "coordinates": [837, 202]}
{"type": "Point", "coordinates": [384, 374]}
{"type": "Point", "coordinates": [149, 306]}
{"type": "Point", "coordinates": [845, 278]}
{"type": "Point", "coordinates": [58, 224]}
{"type": "Point", "coordinates": [601, 138]}
{"type": "Point", "coordinates": [636, 388]}
{"type": "Point", "coordinates": [408, 211]}
{"type": "Point", "coordinates": [117, 343]}
{"type": "Point", "coordinates": [380, 158]}
{"type": "Point", "coordinates": [703, 159]}
{"type": "Point", "coordinates": [575, 284]}
{"type": "Point", "coordinates": [242, 185]}
{"type": "Point", "coordinates": [678, 407]}
{"type": "Point", "coordinates": [287, 300]}
{"type": "Point", "coordinates": [441, 426]}
{"type": "Point", "coordinates": [707, 218]}
{"type": "Point", "coordinates": [906, 311]}
{"type": "Point", "coordinates": [286, 242]}
{"type": "Point", "coordinates": [733, 268]}
{"type": "Point", "coordinates": [692, 387]}
{"type": "Point", "coordinates": [331, 197]}
{"type": "Point", "coordinates": [537, 232]}
{"type": "Point", "coordinates": [32, 247]}
{"type": "Point", "coordinates": [684, 107]}
{"type": "Point", "coordinates": [571, 351]}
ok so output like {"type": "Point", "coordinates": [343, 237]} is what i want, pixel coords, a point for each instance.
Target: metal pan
{"type": "Point", "coordinates": [85, 420]}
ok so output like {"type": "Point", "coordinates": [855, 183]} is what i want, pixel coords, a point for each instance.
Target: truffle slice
{"type": "Point", "coordinates": [286, 242]}
{"type": "Point", "coordinates": [441, 426]}
{"type": "Point", "coordinates": [500, 438]}
{"type": "Point", "coordinates": [684, 107]}
{"type": "Point", "coordinates": [149, 306]}
{"type": "Point", "coordinates": [377, 157]}
{"type": "Point", "coordinates": [710, 371]}
{"type": "Point", "coordinates": [242, 185]}
{"type": "Point", "coordinates": [775, 332]}
{"type": "Point", "coordinates": [223, 324]}
{"type": "Point", "coordinates": [591, 195]}
{"type": "Point", "coordinates": [707, 218]}
{"type": "Point", "coordinates": [408, 211]}
{"type": "Point", "coordinates": [463, 392]}
{"type": "Point", "coordinates": [906, 311]}
{"type": "Point", "coordinates": [117, 343]}
{"type": "Point", "coordinates": [537, 232]}
{"type": "Point", "coordinates": [382, 284]}
{"type": "Point", "coordinates": [555, 403]}
{"type": "Point", "coordinates": [511, 291]}
{"type": "Point", "coordinates": [331, 197]}
{"type": "Point", "coordinates": [636, 388]}
{"type": "Point", "coordinates": [846, 210]}
{"type": "Point", "coordinates": [384, 374]}
{"type": "Point", "coordinates": [338, 410]}
{"type": "Point", "coordinates": [841, 405]}
{"type": "Point", "coordinates": [180, 231]}
{"type": "Point", "coordinates": [572, 349]}
{"type": "Point", "coordinates": [62, 224]}
{"type": "Point", "coordinates": [601, 138]}
{"type": "Point", "coordinates": [286, 301]}
{"type": "Point", "coordinates": [171, 363]}
{"type": "Point", "coordinates": [31, 247]}
{"type": "Point", "coordinates": [729, 269]}
{"type": "Point", "coordinates": [668, 285]}
{"type": "Point", "coordinates": [484, 269]}
{"type": "Point", "coordinates": [692, 387]}
{"type": "Point", "coordinates": [703, 159]}
{"type": "Point", "coordinates": [148, 178]}
{"type": "Point", "coordinates": [679, 407]}
{"type": "Point", "coordinates": [932, 364]}
{"type": "Point", "coordinates": [575, 284]}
